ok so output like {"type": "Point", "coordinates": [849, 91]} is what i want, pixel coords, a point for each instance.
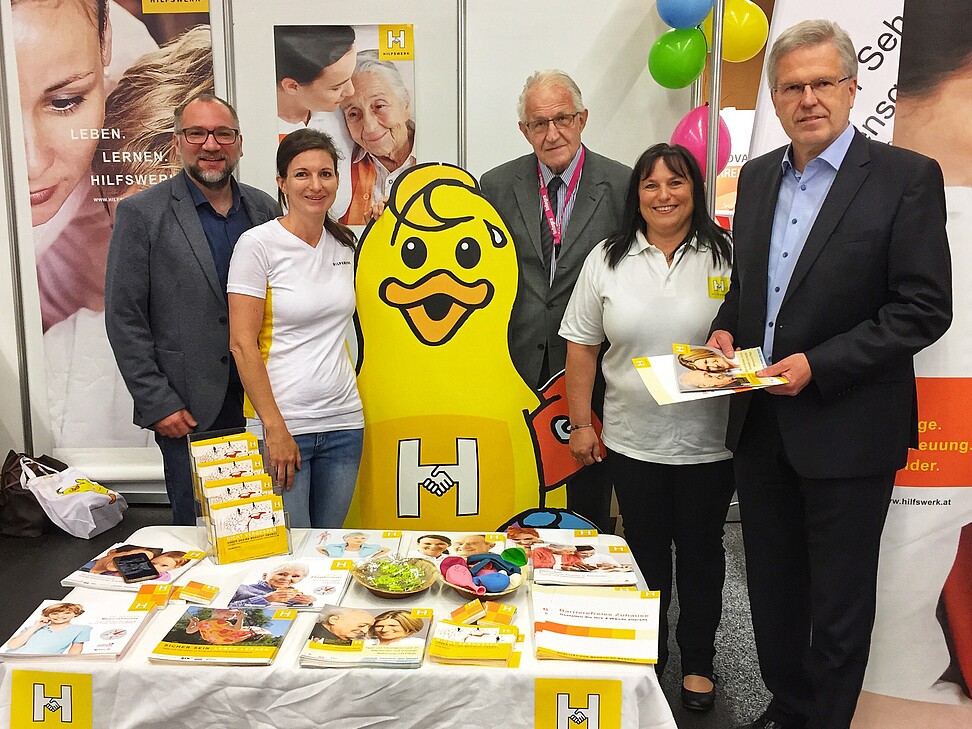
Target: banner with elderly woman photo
{"type": "Point", "coordinates": [357, 84]}
{"type": "Point", "coordinates": [98, 82]}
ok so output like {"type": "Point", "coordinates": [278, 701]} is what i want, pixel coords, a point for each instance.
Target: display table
{"type": "Point", "coordinates": [135, 694]}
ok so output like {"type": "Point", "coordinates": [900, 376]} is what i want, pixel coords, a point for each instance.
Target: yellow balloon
{"type": "Point", "coordinates": [744, 30]}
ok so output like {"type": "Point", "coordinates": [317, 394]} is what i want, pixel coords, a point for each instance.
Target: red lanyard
{"type": "Point", "coordinates": [548, 212]}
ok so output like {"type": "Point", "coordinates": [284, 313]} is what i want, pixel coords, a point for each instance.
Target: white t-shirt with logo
{"type": "Point", "coordinates": [309, 295]}
{"type": "Point", "coordinates": [643, 306]}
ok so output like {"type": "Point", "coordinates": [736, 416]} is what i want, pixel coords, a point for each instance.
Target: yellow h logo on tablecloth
{"type": "Point", "coordinates": [576, 703]}
{"type": "Point", "coordinates": [50, 699]}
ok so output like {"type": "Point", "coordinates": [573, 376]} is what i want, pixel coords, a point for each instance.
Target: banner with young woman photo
{"type": "Point", "coordinates": [98, 82]}
{"type": "Point", "coordinates": [914, 82]}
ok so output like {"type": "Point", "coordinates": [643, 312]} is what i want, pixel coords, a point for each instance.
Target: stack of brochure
{"type": "Point", "coordinates": [195, 592]}
{"type": "Point", "coordinates": [308, 584]}
{"type": "Point", "coordinates": [244, 518]}
{"type": "Point", "coordinates": [479, 645]}
{"type": "Point", "coordinates": [225, 636]}
{"type": "Point", "coordinates": [596, 624]}
{"type": "Point", "coordinates": [91, 630]}
{"type": "Point", "coordinates": [350, 636]}
{"type": "Point", "coordinates": [170, 558]}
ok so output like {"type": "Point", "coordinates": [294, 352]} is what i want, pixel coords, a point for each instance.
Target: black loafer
{"type": "Point", "coordinates": [699, 700]}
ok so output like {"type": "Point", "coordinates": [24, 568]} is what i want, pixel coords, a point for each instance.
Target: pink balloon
{"type": "Point", "coordinates": [459, 574]}
{"type": "Point", "coordinates": [693, 134]}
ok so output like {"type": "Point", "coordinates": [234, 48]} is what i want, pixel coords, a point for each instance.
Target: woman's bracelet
{"type": "Point", "coordinates": [581, 427]}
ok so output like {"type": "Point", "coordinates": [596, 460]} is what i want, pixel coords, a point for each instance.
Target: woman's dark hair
{"type": "Point", "coordinates": [304, 140]}
{"type": "Point", "coordinates": [680, 161]}
{"type": "Point", "coordinates": [302, 52]}
{"type": "Point", "coordinates": [935, 44]}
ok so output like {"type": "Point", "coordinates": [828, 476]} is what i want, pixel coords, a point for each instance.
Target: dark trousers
{"type": "Point", "coordinates": [811, 559]}
{"type": "Point", "coordinates": [175, 458]}
{"type": "Point", "coordinates": [684, 505]}
{"type": "Point", "coordinates": [589, 494]}
{"type": "Point", "coordinates": [589, 491]}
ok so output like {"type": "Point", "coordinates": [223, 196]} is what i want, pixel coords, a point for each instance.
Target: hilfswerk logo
{"type": "Point", "coordinates": [396, 39]}
{"type": "Point", "coordinates": [44, 703]}
{"type": "Point", "coordinates": [574, 717]}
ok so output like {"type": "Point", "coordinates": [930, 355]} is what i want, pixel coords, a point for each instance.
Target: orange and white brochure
{"type": "Point", "coordinates": [596, 624]}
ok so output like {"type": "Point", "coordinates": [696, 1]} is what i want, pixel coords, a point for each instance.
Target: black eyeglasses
{"type": "Point", "coordinates": [561, 121]}
{"type": "Point", "coordinates": [820, 87]}
{"type": "Point", "coordinates": [199, 135]}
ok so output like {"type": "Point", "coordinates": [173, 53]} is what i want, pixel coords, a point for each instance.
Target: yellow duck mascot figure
{"type": "Point", "coordinates": [447, 438]}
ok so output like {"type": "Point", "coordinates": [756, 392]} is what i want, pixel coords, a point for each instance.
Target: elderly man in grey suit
{"type": "Point", "coordinates": [558, 203]}
{"type": "Point", "coordinates": [165, 290]}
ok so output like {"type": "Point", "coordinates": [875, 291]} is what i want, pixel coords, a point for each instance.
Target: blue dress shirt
{"type": "Point", "coordinates": [801, 196]}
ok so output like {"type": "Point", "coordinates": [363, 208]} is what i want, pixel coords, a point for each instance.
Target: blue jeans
{"type": "Point", "coordinates": [324, 484]}
{"type": "Point", "coordinates": [175, 458]}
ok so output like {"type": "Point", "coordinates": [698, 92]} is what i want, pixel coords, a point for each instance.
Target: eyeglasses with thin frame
{"type": "Point", "coordinates": [561, 121]}
{"type": "Point", "coordinates": [199, 135]}
{"type": "Point", "coordinates": [820, 87]}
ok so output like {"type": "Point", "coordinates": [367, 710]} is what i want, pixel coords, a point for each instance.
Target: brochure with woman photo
{"type": "Point", "coordinates": [354, 544]}
{"type": "Point", "coordinates": [291, 583]}
{"type": "Point", "coordinates": [695, 372]}
{"type": "Point", "coordinates": [224, 636]}
{"type": "Point", "coordinates": [700, 368]}
{"type": "Point", "coordinates": [351, 636]}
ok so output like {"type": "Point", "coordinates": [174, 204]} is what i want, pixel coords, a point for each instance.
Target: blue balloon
{"type": "Point", "coordinates": [684, 13]}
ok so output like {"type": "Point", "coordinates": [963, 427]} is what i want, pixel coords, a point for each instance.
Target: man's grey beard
{"type": "Point", "coordinates": [212, 180]}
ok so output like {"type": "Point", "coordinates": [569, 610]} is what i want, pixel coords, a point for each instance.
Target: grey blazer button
{"type": "Point", "coordinates": [222, 320]}
{"type": "Point", "coordinates": [224, 359]}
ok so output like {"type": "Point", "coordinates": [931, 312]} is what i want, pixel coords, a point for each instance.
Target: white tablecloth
{"type": "Point", "coordinates": [135, 694]}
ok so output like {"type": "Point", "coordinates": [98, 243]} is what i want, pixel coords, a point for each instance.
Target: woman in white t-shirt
{"type": "Point", "coordinates": [658, 280]}
{"type": "Point", "coordinates": [291, 297]}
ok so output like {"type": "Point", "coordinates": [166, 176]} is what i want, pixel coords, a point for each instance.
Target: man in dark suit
{"type": "Point", "coordinates": [165, 290]}
{"type": "Point", "coordinates": [558, 203]}
{"type": "Point", "coordinates": [841, 274]}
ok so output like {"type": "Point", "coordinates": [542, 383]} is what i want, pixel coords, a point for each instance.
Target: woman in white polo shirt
{"type": "Point", "coordinates": [647, 286]}
{"type": "Point", "coordinates": [291, 297]}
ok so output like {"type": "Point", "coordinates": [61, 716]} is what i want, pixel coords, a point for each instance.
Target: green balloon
{"type": "Point", "coordinates": [677, 58]}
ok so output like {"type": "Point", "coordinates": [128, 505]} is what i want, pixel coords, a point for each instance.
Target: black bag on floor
{"type": "Point", "coordinates": [20, 514]}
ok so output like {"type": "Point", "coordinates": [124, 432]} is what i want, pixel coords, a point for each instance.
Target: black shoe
{"type": "Point", "coordinates": [699, 700]}
{"type": "Point", "coordinates": [764, 723]}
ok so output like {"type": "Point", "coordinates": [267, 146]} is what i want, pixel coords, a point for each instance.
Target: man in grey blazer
{"type": "Point", "coordinates": [558, 203]}
{"type": "Point", "coordinates": [165, 290]}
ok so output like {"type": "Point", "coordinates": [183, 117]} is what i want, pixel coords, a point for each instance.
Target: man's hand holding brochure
{"type": "Point", "coordinates": [695, 371]}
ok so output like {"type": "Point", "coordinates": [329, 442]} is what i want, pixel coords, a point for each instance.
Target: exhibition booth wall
{"type": "Point", "coordinates": [60, 391]}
